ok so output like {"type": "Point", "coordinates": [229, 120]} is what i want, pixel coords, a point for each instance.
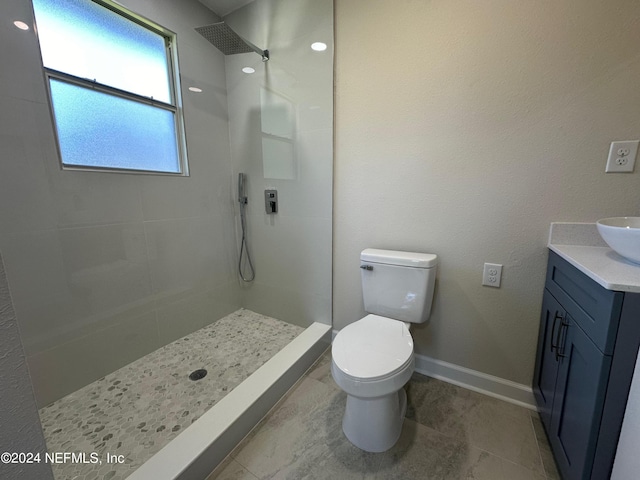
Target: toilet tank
{"type": "Point", "coordinates": [398, 285]}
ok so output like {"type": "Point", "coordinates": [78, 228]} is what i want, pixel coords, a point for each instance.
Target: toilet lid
{"type": "Point", "coordinates": [372, 347]}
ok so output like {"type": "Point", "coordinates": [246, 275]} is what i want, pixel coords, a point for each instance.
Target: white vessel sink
{"type": "Point", "coordinates": [622, 234]}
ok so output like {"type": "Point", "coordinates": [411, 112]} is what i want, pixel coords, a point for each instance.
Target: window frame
{"type": "Point", "coordinates": [175, 106]}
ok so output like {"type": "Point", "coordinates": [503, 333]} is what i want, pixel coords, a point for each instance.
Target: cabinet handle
{"type": "Point", "coordinates": [553, 329]}
{"type": "Point", "coordinates": [558, 339]}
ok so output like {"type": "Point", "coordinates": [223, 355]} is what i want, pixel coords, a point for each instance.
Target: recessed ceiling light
{"type": "Point", "coordinates": [195, 89]}
{"type": "Point", "coordinates": [249, 70]}
{"type": "Point", "coordinates": [319, 46]}
{"type": "Point", "coordinates": [21, 25]}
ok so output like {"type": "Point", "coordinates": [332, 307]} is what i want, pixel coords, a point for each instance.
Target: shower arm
{"type": "Point", "coordinates": [263, 53]}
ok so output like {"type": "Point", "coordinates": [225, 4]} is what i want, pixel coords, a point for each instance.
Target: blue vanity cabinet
{"type": "Point", "coordinates": [546, 371]}
{"type": "Point", "coordinates": [587, 346]}
{"type": "Point", "coordinates": [583, 371]}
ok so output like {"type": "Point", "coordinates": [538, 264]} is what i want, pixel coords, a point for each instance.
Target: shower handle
{"type": "Point", "coordinates": [242, 198]}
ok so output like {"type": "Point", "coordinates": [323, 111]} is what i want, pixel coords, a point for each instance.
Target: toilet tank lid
{"type": "Point", "coordinates": [404, 259]}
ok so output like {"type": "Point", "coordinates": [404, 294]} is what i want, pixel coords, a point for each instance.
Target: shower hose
{"type": "Point", "coordinates": [244, 250]}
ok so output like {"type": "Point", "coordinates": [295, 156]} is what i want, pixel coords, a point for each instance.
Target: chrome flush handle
{"type": "Point", "coordinates": [366, 267]}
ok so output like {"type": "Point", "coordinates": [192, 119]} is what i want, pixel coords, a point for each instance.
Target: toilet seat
{"type": "Point", "coordinates": [372, 349]}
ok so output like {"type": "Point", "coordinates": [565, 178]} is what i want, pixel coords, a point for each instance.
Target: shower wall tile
{"type": "Point", "coordinates": [37, 278]}
{"type": "Point", "coordinates": [193, 50]}
{"type": "Point", "coordinates": [180, 17]}
{"type": "Point", "coordinates": [195, 311]}
{"type": "Point", "coordinates": [207, 117]}
{"type": "Point", "coordinates": [25, 199]}
{"type": "Point", "coordinates": [172, 198]}
{"type": "Point", "coordinates": [95, 198]}
{"type": "Point", "coordinates": [106, 266]}
{"type": "Point", "coordinates": [312, 194]}
{"type": "Point", "coordinates": [298, 308]}
{"type": "Point", "coordinates": [272, 22]}
{"type": "Point", "coordinates": [70, 366]}
{"type": "Point", "coordinates": [186, 254]}
{"type": "Point", "coordinates": [80, 259]}
{"type": "Point", "coordinates": [288, 251]}
{"type": "Point", "coordinates": [21, 73]}
{"type": "Point", "coordinates": [292, 249]}
{"type": "Point", "coordinates": [70, 282]}
{"type": "Point", "coordinates": [206, 192]}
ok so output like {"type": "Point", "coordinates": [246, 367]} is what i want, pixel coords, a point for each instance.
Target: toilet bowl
{"type": "Point", "coordinates": [372, 358]}
{"type": "Point", "coordinates": [371, 361]}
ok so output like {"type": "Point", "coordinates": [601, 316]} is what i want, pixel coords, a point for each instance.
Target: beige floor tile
{"type": "Point", "coordinates": [550, 468]}
{"type": "Point", "coordinates": [450, 434]}
{"type": "Point", "coordinates": [321, 371]}
{"type": "Point", "coordinates": [423, 453]}
{"type": "Point", "coordinates": [477, 465]}
{"type": "Point", "coordinates": [548, 462]}
{"type": "Point", "coordinates": [229, 469]}
{"type": "Point", "coordinates": [495, 426]}
{"type": "Point", "coordinates": [303, 438]}
{"type": "Point", "coordinates": [512, 471]}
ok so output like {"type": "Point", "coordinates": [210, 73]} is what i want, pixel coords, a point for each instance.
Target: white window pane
{"type": "Point", "coordinates": [87, 40]}
{"type": "Point", "coordinates": [101, 130]}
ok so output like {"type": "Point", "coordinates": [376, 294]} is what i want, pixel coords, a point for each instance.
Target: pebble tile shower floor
{"type": "Point", "coordinates": [138, 409]}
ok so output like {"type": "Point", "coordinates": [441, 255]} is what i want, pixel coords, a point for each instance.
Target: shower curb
{"type": "Point", "coordinates": [196, 452]}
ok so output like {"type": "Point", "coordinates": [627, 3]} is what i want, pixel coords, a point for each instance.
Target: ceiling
{"type": "Point", "coordinates": [224, 7]}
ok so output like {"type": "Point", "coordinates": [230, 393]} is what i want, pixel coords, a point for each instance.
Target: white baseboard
{"type": "Point", "coordinates": [486, 384]}
{"type": "Point", "coordinates": [496, 387]}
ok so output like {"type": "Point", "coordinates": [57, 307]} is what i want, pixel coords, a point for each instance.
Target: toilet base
{"type": "Point", "coordinates": [375, 424]}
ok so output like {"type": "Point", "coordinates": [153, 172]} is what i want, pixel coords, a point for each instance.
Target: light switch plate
{"type": "Point", "coordinates": [622, 157]}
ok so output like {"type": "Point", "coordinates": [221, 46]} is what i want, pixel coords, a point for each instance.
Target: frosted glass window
{"type": "Point", "coordinates": [112, 84]}
{"type": "Point", "coordinates": [145, 135]}
{"type": "Point", "coordinates": [87, 40]}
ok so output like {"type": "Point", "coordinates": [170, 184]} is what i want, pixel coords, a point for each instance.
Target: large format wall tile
{"type": "Point", "coordinates": [185, 254]}
{"type": "Point", "coordinates": [70, 366]}
{"type": "Point", "coordinates": [81, 261]}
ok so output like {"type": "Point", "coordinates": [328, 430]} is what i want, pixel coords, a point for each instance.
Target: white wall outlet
{"type": "Point", "coordinates": [491, 274]}
{"type": "Point", "coordinates": [622, 156]}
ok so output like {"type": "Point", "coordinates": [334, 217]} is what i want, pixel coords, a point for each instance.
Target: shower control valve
{"type": "Point", "coordinates": [271, 201]}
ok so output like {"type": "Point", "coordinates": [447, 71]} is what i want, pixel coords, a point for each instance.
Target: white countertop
{"type": "Point", "coordinates": [581, 245]}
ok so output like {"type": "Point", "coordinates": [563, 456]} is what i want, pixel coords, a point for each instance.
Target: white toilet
{"type": "Point", "coordinates": [372, 359]}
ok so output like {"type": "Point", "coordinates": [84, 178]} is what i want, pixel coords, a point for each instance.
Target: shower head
{"type": "Point", "coordinates": [229, 42]}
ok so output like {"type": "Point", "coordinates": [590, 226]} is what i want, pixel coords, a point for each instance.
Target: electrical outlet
{"type": "Point", "coordinates": [491, 275]}
{"type": "Point", "coordinates": [622, 156]}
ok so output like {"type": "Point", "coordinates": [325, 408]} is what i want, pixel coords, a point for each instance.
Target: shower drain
{"type": "Point", "coordinates": [198, 374]}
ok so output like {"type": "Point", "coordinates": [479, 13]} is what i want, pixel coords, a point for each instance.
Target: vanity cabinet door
{"type": "Point", "coordinates": [547, 361]}
{"type": "Point", "coordinates": [581, 383]}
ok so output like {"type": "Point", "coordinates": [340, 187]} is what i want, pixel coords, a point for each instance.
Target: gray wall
{"type": "Point", "coordinates": [106, 267]}
{"type": "Point", "coordinates": [465, 128]}
{"type": "Point", "coordinates": [20, 429]}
